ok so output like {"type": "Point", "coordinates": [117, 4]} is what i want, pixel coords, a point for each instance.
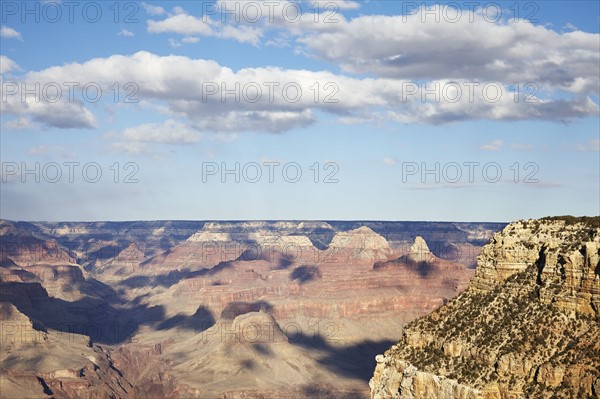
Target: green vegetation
{"type": "Point", "coordinates": [589, 221]}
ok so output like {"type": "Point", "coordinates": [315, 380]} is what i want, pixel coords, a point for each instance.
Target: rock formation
{"type": "Point", "coordinates": [180, 309]}
{"type": "Point", "coordinates": [361, 244]}
{"type": "Point", "coordinates": [424, 264]}
{"type": "Point", "coordinates": [419, 251]}
{"type": "Point", "coordinates": [527, 327]}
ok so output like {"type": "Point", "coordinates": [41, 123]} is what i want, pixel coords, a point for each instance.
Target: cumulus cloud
{"type": "Point", "coordinates": [188, 25]}
{"type": "Point", "coordinates": [472, 47]}
{"type": "Point", "coordinates": [182, 23]}
{"type": "Point", "coordinates": [390, 161]}
{"type": "Point", "coordinates": [153, 10]}
{"type": "Point", "coordinates": [168, 132]}
{"type": "Point", "coordinates": [60, 114]}
{"type": "Point", "coordinates": [339, 4]}
{"type": "Point", "coordinates": [190, 39]}
{"type": "Point", "coordinates": [440, 102]}
{"type": "Point", "coordinates": [7, 65]}
{"type": "Point", "coordinates": [175, 43]}
{"type": "Point", "coordinates": [10, 33]}
{"type": "Point", "coordinates": [434, 43]}
{"type": "Point", "coordinates": [138, 140]}
{"type": "Point", "coordinates": [248, 22]}
{"type": "Point", "coordinates": [214, 98]}
{"type": "Point", "coordinates": [125, 33]}
{"type": "Point", "coordinates": [266, 121]}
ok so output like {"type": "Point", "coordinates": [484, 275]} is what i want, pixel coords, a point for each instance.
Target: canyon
{"type": "Point", "coordinates": [218, 309]}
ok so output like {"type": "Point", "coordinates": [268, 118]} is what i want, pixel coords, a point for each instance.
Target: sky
{"type": "Point", "coordinates": [299, 110]}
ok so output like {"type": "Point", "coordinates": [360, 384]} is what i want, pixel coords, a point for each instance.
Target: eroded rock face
{"type": "Point", "coordinates": [254, 328]}
{"type": "Point", "coordinates": [419, 251]}
{"type": "Point", "coordinates": [566, 257]}
{"type": "Point", "coordinates": [363, 243]}
{"type": "Point", "coordinates": [527, 327]}
{"type": "Point", "coordinates": [394, 378]}
{"type": "Point", "coordinates": [12, 322]}
{"type": "Point", "coordinates": [28, 250]}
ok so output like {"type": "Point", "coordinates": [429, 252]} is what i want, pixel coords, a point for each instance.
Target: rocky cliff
{"type": "Point", "coordinates": [527, 327]}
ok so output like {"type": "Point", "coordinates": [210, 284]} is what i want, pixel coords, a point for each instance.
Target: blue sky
{"type": "Point", "coordinates": [502, 112]}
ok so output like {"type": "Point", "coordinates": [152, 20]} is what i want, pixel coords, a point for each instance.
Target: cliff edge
{"type": "Point", "coordinates": [528, 326]}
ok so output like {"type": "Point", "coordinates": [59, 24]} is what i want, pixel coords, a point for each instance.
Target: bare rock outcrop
{"type": "Point", "coordinates": [527, 327]}
{"type": "Point", "coordinates": [419, 251]}
{"type": "Point", "coordinates": [361, 244]}
{"type": "Point", "coordinates": [566, 256]}
{"type": "Point", "coordinates": [254, 328]}
{"type": "Point", "coordinates": [397, 379]}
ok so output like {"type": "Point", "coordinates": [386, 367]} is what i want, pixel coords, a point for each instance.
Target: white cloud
{"type": "Point", "coordinates": [412, 47]}
{"type": "Point", "coordinates": [178, 43]}
{"type": "Point", "coordinates": [487, 100]}
{"type": "Point", "coordinates": [153, 10]}
{"type": "Point", "coordinates": [493, 146]}
{"type": "Point", "coordinates": [7, 65]}
{"type": "Point", "coordinates": [181, 87]}
{"type": "Point", "coordinates": [428, 44]}
{"type": "Point", "coordinates": [242, 34]}
{"type": "Point", "coordinates": [279, 42]}
{"type": "Point", "coordinates": [340, 4]}
{"type": "Point", "coordinates": [181, 23]}
{"type": "Point", "coordinates": [125, 33]}
{"type": "Point", "coordinates": [60, 114]}
{"type": "Point", "coordinates": [190, 39]}
{"type": "Point", "coordinates": [406, 47]}
{"type": "Point", "coordinates": [332, 6]}
{"type": "Point", "coordinates": [19, 124]}
{"type": "Point", "coordinates": [178, 10]}
{"type": "Point", "coordinates": [266, 121]}
{"type": "Point", "coordinates": [175, 43]}
{"type": "Point", "coordinates": [10, 33]}
{"type": "Point", "coordinates": [390, 161]}
{"type": "Point", "coordinates": [168, 132]}
{"type": "Point", "coordinates": [188, 25]}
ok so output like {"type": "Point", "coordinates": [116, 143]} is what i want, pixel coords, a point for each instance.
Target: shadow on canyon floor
{"type": "Point", "coordinates": [97, 320]}
{"type": "Point", "coordinates": [173, 277]}
{"type": "Point", "coordinates": [200, 321]}
{"type": "Point", "coordinates": [353, 361]}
